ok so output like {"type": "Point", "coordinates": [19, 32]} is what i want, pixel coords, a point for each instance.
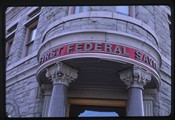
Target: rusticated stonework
{"type": "Point", "coordinates": [23, 95]}
{"type": "Point", "coordinates": [61, 74]}
{"type": "Point", "coordinates": [12, 108]}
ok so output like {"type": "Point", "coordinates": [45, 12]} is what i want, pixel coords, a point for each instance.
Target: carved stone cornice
{"type": "Point", "coordinates": [135, 77]}
{"type": "Point", "coordinates": [61, 74]}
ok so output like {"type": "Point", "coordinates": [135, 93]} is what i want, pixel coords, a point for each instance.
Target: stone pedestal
{"type": "Point", "coordinates": [61, 75]}
{"type": "Point", "coordinates": [135, 79]}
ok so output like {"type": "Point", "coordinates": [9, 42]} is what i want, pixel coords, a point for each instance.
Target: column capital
{"type": "Point", "coordinates": [135, 77]}
{"type": "Point", "coordinates": [61, 74]}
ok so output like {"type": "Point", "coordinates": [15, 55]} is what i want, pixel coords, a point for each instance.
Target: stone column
{"type": "Point", "coordinates": [135, 79]}
{"type": "Point", "coordinates": [61, 75]}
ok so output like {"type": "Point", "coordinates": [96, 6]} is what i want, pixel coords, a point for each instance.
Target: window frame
{"type": "Point", "coordinates": [9, 40]}
{"type": "Point", "coordinates": [9, 44]}
{"type": "Point", "coordinates": [72, 9]}
{"type": "Point", "coordinates": [28, 41]}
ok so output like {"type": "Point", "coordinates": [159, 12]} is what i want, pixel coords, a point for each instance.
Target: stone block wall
{"type": "Point", "coordinates": [18, 42]}
{"type": "Point", "coordinates": [26, 93]}
{"type": "Point", "coordinates": [157, 18]}
{"type": "Point", "coordinates": [162, 102]}
{"type": "Point", "coordinates": [23, 89]}
{"type": "Point", "coordinates": [101, 24]}
{"type": "Point", "coordinates": [27, 96]}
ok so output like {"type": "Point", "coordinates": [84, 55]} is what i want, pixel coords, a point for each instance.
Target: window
{"type": "Point", "coordinates": [125, 10]}
{"type": "Point", "coordinates": [30, 37]}
{"type": "Point", "coordinates": [9, 39]}
{"type": "Point", "coordinates": [8, 47]}
{"type": "Point", "coordinates": [78, 9]}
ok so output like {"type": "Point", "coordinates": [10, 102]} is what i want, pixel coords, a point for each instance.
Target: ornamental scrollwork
{"type": "Point", "coordinates": [135, 77]}
{"type": "Point", "coordinates": [61, 73]}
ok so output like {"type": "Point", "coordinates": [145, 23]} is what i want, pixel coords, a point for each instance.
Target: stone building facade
{"type": "Point", "coordinates": [63, 60]}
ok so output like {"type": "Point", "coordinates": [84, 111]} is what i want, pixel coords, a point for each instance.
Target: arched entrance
{"type": "Point", "coordinates": [93, 79]}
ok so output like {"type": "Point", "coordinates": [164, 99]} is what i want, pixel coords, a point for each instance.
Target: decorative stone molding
{"type": "Point", "coordinates": [141, 75]}
{"type": "Point", "coordinates": [61, 74]}
{"type": "Point", "coordinates": [135, 77]}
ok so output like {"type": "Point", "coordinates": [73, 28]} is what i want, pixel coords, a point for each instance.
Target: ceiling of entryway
{"type": "Point", "coordinates": [98, 73]}
{"type": "Point", "coordinates": [94, 72]}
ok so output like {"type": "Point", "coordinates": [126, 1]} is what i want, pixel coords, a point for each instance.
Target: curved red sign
{"type": "Point", "coordinates": [97, 47]}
